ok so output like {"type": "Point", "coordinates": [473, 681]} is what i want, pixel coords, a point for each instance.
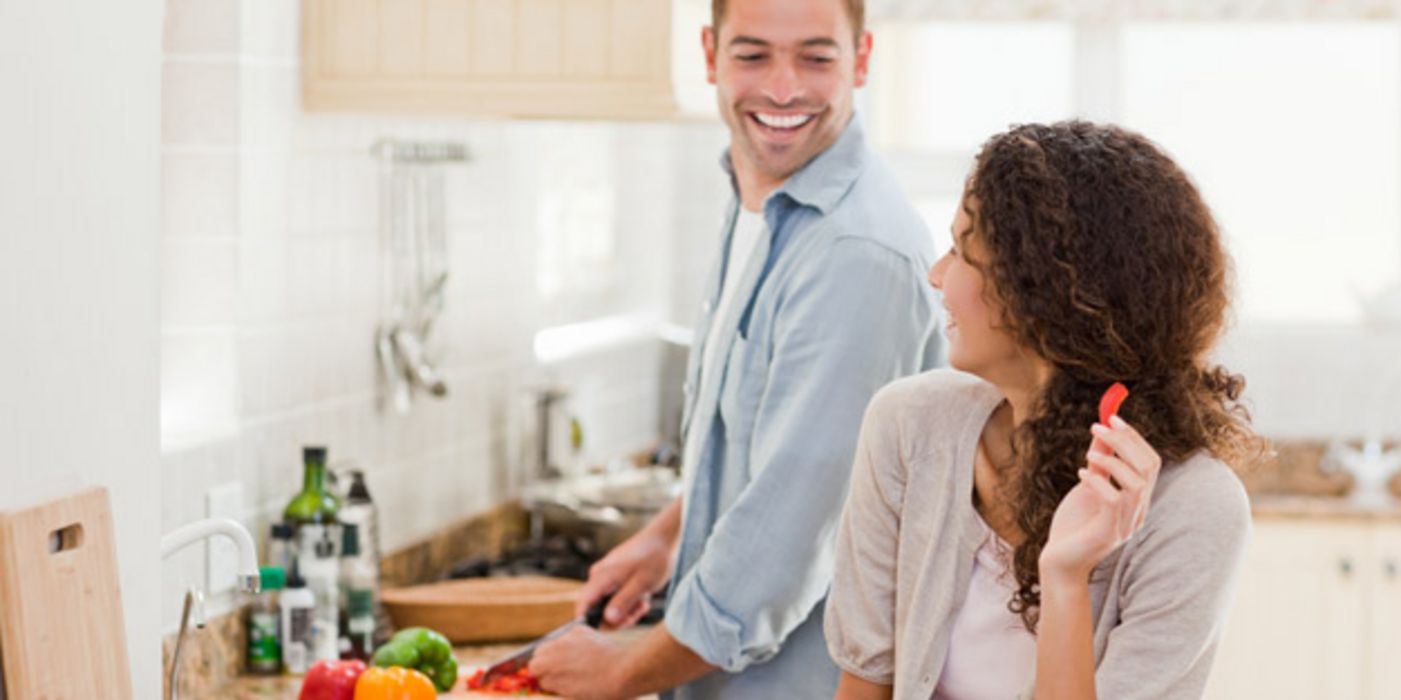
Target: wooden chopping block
{"type": "Point", "coordinates": [61, 631]}
{"type": "Point", "coordinates": [485, 609]}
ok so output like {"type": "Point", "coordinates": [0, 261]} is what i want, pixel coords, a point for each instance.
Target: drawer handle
{"type": "Point", "coordinates": [1345, 566]}
{"type": "Point", "coordinates": [1390, 568]}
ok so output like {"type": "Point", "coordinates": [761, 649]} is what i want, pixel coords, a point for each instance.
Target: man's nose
{"type": "Point", "coordinates": [781, 85]}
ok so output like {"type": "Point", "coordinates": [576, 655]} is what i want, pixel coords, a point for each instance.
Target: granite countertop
{"type": "Point", "coordinates": [469, 659]}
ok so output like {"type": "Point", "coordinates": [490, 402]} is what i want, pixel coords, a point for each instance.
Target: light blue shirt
{"type": "Point", "coordinates": [832, 305]}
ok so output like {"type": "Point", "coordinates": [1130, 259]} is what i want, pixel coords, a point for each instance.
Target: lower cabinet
{"type": "Point", "coordinates": [1317, 613]}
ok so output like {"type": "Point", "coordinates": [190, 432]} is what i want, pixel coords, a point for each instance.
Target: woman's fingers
{"type": "Point", "coordinates": [1129, 445]}
{"type": "Point", "coordinates": [1128, 478]}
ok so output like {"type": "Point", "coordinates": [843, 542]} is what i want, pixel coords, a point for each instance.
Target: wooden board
{"type": "Point", "coordinates": [61, 630]}
{"type": "Point", "coordinates": [485, 609]}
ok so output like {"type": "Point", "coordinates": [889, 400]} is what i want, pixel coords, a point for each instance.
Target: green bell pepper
{"type": "Point", "coordinates": [423, 650]}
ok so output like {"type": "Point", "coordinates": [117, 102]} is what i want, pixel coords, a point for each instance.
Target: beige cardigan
{"type": "Point", "coordinates": [909, 533]}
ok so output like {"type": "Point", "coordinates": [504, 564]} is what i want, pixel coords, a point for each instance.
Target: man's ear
{"type": "Point", "coordinates": [708, 38]}
{"type": "Point", "coordinates": [863, 58]}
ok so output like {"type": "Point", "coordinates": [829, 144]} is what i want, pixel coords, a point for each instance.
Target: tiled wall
{"type": "Point", "coordinates": [270, 288]}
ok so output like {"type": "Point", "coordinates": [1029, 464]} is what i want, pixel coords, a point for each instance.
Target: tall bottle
{"type": "Point", "coordinates": [358, 593]}
{"type": "Point", "coordinates": [315, 505]}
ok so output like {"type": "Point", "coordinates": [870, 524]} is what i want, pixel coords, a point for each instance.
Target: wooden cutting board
{"type": "Point", "coordinates": [61, 630]}
{"type": "Point", "coordinates": [485, 609]}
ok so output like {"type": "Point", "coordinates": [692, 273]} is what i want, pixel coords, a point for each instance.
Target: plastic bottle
{"type": "Point", "coordinates": [264, 653]}
{"type": "Point", "coordinates": [317, 562]}
{"type": "Point", "coordinates": [359, 592]}
{"type": "Point", "coordinates": [298, 606]}
{"type": "Point", "coordinates": [360, 509]}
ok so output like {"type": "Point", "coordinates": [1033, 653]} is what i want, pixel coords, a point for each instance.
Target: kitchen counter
{"type": "Point", "coordinates": [469, 659]}
{"type": "Point", "coordinates": [1325, 507]}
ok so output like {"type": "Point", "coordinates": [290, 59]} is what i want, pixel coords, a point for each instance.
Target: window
{"type": "Point", "coordinates": [1292, 130]}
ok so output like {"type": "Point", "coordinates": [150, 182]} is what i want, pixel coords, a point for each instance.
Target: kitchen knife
{"type": "Point", "coordinates": [521, 657]}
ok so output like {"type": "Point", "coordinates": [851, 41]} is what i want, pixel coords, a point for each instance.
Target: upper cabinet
{"type": "Point", "coordinates": [504, 58]}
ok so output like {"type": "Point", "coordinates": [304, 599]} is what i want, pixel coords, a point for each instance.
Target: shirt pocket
{"type": "Point", "coordinates": [743, 387]}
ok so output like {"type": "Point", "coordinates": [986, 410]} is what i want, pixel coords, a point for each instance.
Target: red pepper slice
{"type": "Point", "coordinates": [1109, 403]}
{"type": "Point", "coordinates": [520, 682]}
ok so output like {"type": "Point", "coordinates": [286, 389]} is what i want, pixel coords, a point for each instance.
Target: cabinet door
{"type": "Point", "coordinates": [1384, 614]}
{"type": "Point", "coordinates": [1297, 624]}
{"type": "Point", "coordinates": [527, 58]}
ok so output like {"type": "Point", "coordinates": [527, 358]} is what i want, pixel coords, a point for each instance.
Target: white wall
{"type": "Point", "coordinates": [79, 247]}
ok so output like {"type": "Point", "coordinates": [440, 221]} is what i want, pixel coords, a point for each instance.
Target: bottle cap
{"type": "Point", "coordinates": [314, 453]}
{"type": "Point", "coordinates": [358, 492]}
{"type": "Point", "coordinates": [273, 578]}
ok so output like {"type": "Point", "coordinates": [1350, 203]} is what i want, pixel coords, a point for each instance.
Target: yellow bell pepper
{"type": "Point", "coordinates": [394, 683]}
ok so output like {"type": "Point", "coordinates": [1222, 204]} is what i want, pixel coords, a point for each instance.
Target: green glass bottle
{"type": "Point", "coordinates": [314, 505]}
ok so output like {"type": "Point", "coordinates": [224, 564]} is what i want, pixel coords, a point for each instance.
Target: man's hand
{"type": "Point", "coordinates": [583, 664]}
{"type": "Point", "coordinates": [589, 665]}
{"type": "Point", "coordinates": [633, 571]}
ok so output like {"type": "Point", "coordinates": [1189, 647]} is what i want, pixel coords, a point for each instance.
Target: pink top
{"type": "Point", "coordinates": [991, 655]}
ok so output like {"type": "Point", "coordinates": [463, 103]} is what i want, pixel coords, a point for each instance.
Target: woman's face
{"type": "Point", "coordinates": [978, 344]}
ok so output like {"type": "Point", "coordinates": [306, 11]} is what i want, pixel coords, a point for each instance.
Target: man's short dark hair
{"type": "Point", "coordinates": [855, 11]}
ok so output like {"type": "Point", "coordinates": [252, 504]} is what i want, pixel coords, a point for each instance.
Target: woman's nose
{"type": "Point", "coordinates": [936, 273]}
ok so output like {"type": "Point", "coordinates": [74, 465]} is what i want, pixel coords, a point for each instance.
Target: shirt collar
{"type": "Point", "coordinates": [826, 178]}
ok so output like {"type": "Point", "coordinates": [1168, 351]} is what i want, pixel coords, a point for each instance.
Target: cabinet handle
{"type": "Point", "coordinates": [1345, 566]}
{"type": "Point", "coordinates": [1390, 568]}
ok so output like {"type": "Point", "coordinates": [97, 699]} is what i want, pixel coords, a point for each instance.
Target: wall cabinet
{"type": "Point", "coordinates": [503, 58]}
{"type": "Point", "coordinates": [1317, 613]}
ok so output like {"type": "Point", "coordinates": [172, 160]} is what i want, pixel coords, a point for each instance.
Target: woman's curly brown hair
{"type": "Point", "coordinates": [1104, 261]}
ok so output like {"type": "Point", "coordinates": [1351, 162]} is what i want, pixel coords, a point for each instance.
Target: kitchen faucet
{"type": "Point", "coordinates": [249, 580]}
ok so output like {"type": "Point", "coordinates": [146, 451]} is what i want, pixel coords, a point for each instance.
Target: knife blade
{"type": "Point", "coordinates": [519, 658]}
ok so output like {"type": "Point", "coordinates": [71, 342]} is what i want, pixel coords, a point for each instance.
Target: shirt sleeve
{"type": "Point", "coordinates": [1177, 590]}
{"type": "Point", "coordinates": [851, 324]}
{"type": "Point", "coordinates": [860, 618]}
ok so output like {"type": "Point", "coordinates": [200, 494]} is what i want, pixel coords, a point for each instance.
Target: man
{"type": "Point", "coordinates": [817, 300]}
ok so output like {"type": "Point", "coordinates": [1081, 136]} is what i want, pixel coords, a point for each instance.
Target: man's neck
{"type": "Point", "coordinates": [754, 186]}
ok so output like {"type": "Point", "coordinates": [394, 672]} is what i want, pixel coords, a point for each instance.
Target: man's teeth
{"type": "Point", "coordinates": [779, 121]}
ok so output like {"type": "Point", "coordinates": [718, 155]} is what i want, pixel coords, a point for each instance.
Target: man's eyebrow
{"type": "Point", "coordinates": [748, 40]}
{"type": "Point", "coordinates": [816, 41]}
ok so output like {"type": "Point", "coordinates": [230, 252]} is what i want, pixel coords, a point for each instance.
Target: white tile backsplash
{"type": "Point", "coordinates": [202, 26]}
{"type": "Point", "coordinates": [199, 194]}
{"type": "Point", "coordinates": [199, 102]}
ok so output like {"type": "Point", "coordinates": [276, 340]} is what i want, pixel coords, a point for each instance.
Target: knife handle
{"type": "Point", "coordinates": [594, 617]}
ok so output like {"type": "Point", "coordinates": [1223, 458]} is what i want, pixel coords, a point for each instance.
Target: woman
{"type": "Point", "coordinates": [999, 542]}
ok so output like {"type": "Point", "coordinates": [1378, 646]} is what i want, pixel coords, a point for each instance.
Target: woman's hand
{"type": "Point", "coordinates": [1099, 514]}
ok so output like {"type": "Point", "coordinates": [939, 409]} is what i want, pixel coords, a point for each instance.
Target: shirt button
{"type": "Point", "coordinates": [928, 680]}
{"type": "Point", "coordinates": [686, 388]}
{"type": "Point", "coordinates": [705, 306]}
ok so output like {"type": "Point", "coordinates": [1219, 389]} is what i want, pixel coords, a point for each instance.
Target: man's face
{"type": "Point", "coordinates": [784, 73]}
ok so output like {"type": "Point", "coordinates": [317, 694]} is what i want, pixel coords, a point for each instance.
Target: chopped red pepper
{"type": "Point", "coordinates": [1109, 403]}
{"type": "Point", "coordinates": [518, 683]}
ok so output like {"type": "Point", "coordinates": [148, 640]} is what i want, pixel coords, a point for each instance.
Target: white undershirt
{"type": "Point", "coordinates": [749, 227]}
{"type": "Point", "coordinates": [991, 654]}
